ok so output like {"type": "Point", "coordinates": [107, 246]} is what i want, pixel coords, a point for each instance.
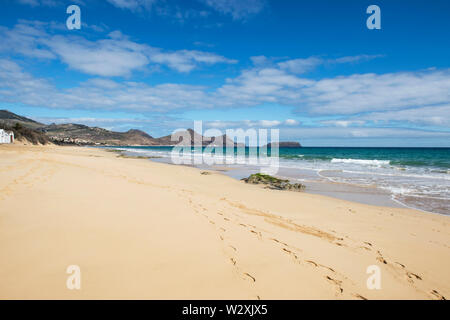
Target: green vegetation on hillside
{"type": "Point", "coordinates": [22, 133]}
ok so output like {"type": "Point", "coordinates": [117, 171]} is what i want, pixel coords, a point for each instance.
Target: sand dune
{"type": "Point", "coordinates": [144, 230]}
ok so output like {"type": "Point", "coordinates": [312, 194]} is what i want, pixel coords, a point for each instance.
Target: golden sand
{"type": "Point", "coordinates": [144, 230]}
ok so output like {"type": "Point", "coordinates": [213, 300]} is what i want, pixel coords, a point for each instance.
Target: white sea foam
{"type": "Point", "coordinates": [362, 161]}
{"type": "Point", "coordinates": [398, 190]}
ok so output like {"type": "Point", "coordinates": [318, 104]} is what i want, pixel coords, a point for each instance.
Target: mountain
{"type": "Point", "coordinates": [24, 129]}
{"type": "Point", "coordinates": [81, 134]}
{"type": "Point", "coordinates": [190, 137]}
{"type": "Point", "coordinates": [9, 119]}
{"type": "Point", "coordinates": [78, 134]}
{"type": "Point", "coordinates": [70, 133]}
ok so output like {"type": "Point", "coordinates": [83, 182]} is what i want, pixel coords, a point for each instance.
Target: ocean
{"type": "Point", "coordinates": [413, 177]}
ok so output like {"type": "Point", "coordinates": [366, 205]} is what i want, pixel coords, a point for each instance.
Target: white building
{"type": "Point", "coordinates": [6, 136]}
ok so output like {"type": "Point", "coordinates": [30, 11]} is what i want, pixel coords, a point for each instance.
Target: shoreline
{"type": "Point", "coordinates": [364, 194]}
{"type": "Point", "coordinates": [139, 229]}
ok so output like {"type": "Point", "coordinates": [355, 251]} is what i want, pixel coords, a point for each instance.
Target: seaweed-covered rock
{"type": "Point", "coordinates": [273, 183]}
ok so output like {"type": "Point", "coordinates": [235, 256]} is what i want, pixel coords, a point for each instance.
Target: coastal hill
{"type": "Point", "coordinates": [78, 134]}
{"type": "Point", "coordinates": [24, 129]}
{"type": "Point", "coordinates": [70, 133]}
{"type": "Point", "coordinates": [9, 119]}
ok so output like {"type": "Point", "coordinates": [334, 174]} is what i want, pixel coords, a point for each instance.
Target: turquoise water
{"type": "Point", "coordinates": [433, 158]}
{"type": "Point", "coordinates": [414, 177]}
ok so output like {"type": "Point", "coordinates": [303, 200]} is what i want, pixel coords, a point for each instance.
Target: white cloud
{"type": "Point", "coordinates": [115, 55]}
{"type": "Point", "coordinates": [24, 39]}
{"type": "Point", "coordinates": [161, 8]}
{"type": "Point", "coordinates": [343, 133]}
{"type": "Point", "coordinates": [238, 9]}
{"type": "Point", "coordinates": [256, 86]}
{"type": "Point", "coordinates": [358, 58]}
{"type": "Point", "coordinates": [422, 98]}
{"type": "Point", "coordinates": [342, 95]}
{"type": "Point", "coordinates": [261, 61]}
{"type": "Point", "coordinates": [269, 123]}
{"type": "Point", "coordinates": [291, 122]}
{"type": "Point", "coordinates": [178, 14]}
{"type": "Point", "coordinates": [102, 83]}
{"type": "Point", "coordinates": [116, 124]}
{"type": "Point", "coordinates": [433, 115]}
{"type": "Point", "coordinates": [107, 57]}
{"type": "Point", "coordinates": [19, 86]}
{"type": "Point", "coordinates": [35, 3]}
{"type": "Point", "coordinates": [133, 5]}
{"type": "Point", "coordinates": [300, 65]}
{"type": "Point", "coordinates": [372, 92]}
{"type": "Point", "coordinates": [250, 124]}
{"type": "Point", "coordinates": [186, 60]}
{"type": "Point", "coordinates": [343, 123]}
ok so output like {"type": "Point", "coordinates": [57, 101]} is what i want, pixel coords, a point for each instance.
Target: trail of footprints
{"type": "Point", "coordinates": [230, 249]}
{"type": "Point", "coordinates": [33, 174]}
{"type": "Point", "coordinates": [236, 211]}
{"type": "Point", "coordinates": [232, 219]}
{"type": "Point", "coordinates": [400, 269]}
{"type": "Point", "coordinates": [330, 275]}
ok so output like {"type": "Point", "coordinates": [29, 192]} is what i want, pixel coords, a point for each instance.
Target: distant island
{"type": "Point", "coordinates": [78, 134]}
{"type": "Point", "coordinates": [285, 144]}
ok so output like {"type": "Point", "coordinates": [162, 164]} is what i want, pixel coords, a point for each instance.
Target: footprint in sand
{"type": "Point", "coordinates": [357, 295]}
{"type": "Point", "coordinates": [335, 282]}
{"type": "Point", "coordinates": [413, 275]}
{"type": "Point", "coordinates": [311, 262]}
{"type": "Point", "coordinates": [380, 258]}
{"type": "Point", "coordinates": [437, 295]}
{"type": "Point", "coordinates": [290, 253]}
{"type": "Point", "coordinates": [250, 276]}
{"type": "Point", "coordinates": [278, 241]}
{"type": "Point", "coordinates": [328, 268]}
{"type": "Point", "coordinates": [258, 234]}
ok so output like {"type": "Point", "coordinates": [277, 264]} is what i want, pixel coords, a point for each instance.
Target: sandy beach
{"type": "Point", "coordinates": [144, 230]}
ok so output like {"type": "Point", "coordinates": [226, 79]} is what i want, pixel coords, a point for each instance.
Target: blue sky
{"type": "Point", "coordinates": [309, 68]}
